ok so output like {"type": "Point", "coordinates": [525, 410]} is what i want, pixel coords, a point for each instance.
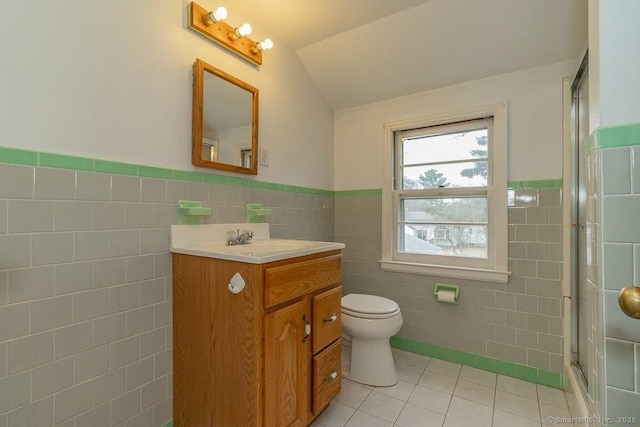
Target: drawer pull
{"type": "Point", "coordinates": [331, 377]}
{"type": "Point", "coordinates": [333, 318]}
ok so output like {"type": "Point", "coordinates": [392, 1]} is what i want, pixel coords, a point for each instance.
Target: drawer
{"type": "Point", "coordinates": [327, 324]}
{"type": "Point", "coordinates": [327, 376]}
{"type": "Point", "coordinates": [289, 281]}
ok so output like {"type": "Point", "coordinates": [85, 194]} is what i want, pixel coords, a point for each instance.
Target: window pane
{"type": "Point", "coordinates": [467, 174]}
{"type": "Point", "coordinates": [449, 240]}
{"type": "Point", "coordinates": [445, 210]}
{"type": "Point", "coordinates": [465, 145]}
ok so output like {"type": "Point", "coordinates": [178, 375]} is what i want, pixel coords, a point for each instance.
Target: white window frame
{"type": "Point", "coordinates": [494, 269]}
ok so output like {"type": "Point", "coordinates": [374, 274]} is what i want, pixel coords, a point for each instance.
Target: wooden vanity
{"type": "Point", "coordinates": [269, 355]}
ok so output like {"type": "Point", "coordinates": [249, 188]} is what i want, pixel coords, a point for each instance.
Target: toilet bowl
{"type": "Point", "coordinates": [368, 321]}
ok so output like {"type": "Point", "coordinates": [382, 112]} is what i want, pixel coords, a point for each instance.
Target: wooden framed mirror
{"type": "Point", "coordinates": [225, 121]}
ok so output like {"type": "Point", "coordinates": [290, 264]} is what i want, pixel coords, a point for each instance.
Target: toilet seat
{"type": "Point", "coordinates": [369, 306]}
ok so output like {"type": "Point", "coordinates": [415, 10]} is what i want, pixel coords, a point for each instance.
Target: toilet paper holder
{"type": "Point", "coordinates": [447, 293]}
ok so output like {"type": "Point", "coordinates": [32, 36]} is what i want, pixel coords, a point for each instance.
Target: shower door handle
{"type": "Point", "coordinates": [629, 301]}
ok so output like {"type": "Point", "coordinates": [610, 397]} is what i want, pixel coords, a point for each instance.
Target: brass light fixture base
{"type": "Point", "coordinates": [218, 32]}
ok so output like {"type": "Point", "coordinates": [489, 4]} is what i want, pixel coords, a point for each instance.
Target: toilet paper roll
{"type": "Point", "coordinates": [446, 296]}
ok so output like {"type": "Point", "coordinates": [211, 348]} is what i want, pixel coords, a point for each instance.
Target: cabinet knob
{"type": "Point", "coordinates": [331, 318]}
{"type": "Point", "coordinates": [332, 376]}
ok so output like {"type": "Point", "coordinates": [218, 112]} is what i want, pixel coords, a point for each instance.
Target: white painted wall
{"type": "Point", "coordinates": [113, 80]}
{"type": "Point", "coordinates": [534, 98]}
{"type": "Point", "coordinates": [619, 61]}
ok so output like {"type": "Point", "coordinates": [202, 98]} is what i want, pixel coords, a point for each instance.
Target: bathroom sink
{"type": "Point", "coordinates": [205, 240]}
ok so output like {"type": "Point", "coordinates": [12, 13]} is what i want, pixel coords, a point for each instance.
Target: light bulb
{"type": "Point", "coordinates": [219, 14]}
{"type": "Point", "coordinates": [266, 44]}
{"type": "Point", "coordinates": [244, 30]}
{"type": "Point", "coordinates": [263, 45]}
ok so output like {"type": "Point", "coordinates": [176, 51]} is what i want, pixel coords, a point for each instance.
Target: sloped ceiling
{"type": "Point", "coordinates": [364, 51]}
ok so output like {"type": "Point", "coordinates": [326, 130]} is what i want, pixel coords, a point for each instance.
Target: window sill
{"type": "Point", "coordinates": [479, 274]}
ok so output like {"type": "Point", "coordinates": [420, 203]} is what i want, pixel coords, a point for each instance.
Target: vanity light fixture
{"type": "Point", "coordinates": [212, 26]}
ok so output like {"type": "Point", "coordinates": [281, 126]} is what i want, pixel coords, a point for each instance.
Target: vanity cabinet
{"type": "Point", "coordinates": [269, 355]}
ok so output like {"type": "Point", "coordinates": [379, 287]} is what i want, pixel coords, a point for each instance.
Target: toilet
{"type": "Point", "coordinates": [368, 321]}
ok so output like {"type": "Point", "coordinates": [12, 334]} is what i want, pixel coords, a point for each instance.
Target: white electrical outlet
{"type": "Point", "coordinates": [264, 157]}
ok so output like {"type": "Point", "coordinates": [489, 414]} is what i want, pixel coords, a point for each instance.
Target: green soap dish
{"type": "Point", "coordinates": [191, 212]}
{"type": "Point", "coordinates": [255, 212]}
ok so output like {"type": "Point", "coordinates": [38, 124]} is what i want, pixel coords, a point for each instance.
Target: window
{"type": "Point", "coordinates": [445, 208]}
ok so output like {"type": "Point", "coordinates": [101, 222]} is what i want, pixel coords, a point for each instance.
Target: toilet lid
{"type": "Point", "coordinates": [369, 304]}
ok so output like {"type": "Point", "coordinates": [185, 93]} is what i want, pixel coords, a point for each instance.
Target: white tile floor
{"type": "Point", "coordinates": [433, 392]}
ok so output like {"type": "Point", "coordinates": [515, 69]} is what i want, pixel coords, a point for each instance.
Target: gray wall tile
{"type": "Point", "coordinates": [139, 320]}
{"type": "Point", "coordinates": [152, 342]}
{"type": "Point", "coordinates": [123, 297]}
{"type": "Point", "coordinates": [154, 190]}
{"type": "Point", "coordinates": [123, 352]}
{"type": "Point", "coordinates": [15, 391]}
{"type": "Point", "coordinates": [125, 406]}
{"type": "Point", "coordinates": [50, 313]}
{"type": "Point", "coordinates": [55, 184]}
{"type": "Point", "coordinates": [72, 216]}
{"type": "Point", "coordinates": [51, 378]}
{"type": "Point", "coordinates": [125, 188]}
{"type": "Point", "coordinates": [139, 373]}
{"type": "Point", "coordinates": [73, 339]}
{"type": "Point", "coordinates": [90, 304]}
{"type": "Point", "coordinates": [15, 251]}
{"type": "Point", "coordinates": [620, 364]}
{"type": "Point", "coordinates": [139, 268]}
{"type": "Point", "coordinates": [617, 265]}
{"type": "Point", "coordinates": [28, 352]}
{"type": "Point", "coordinates": [99, 416]}
{"type": "Point", "coordinates": [153, 393]}
{"type": "Point", "coordinates": [39, 413]}
{"type": "Point", "coordinates": [30, 283]}
{"type": "Point", "coordinates": [90, 364]}
{"type": "Point", "coordinates": [109, 272]}
{"type": "Point", "coordinates": [14, 321]}
{"type": "Point", "coordinates": [109, 216]}
{"type": "Point", "coordinates": [16, 182]}
{"type": "Point", "coordinates": [73, 401]}
{"type": "Point", "coordinates": [93, 186]}
{"type": "Point", "coordinates": [108, 329]}
{"type": "Point", "coordinates": [124, 243]}
{"type": "Point", "coordinates": [616, 167]}
{"type": "Point", "coordinates": [108, 386]}
{"type": "Point", "coordinates": [91, 245]}
{"type": "Point", "coordinates": [74, 277]}
{"type": "Point", "coordinates": [29, 216]}
{"type": "Point", "coordinates": [139, 215]}
{"type": "Point", "coordinates": [52, 248]}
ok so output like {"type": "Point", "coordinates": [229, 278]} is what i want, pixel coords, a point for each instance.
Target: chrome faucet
{"type": "Point", "coordinates": [237, 238]}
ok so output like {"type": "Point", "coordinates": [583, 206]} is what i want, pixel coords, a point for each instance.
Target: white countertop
{"type": "Point", "coordinates": [208, 240]}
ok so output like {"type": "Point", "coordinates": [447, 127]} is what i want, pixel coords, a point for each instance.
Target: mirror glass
{"type": "Point", "coordinates": [225, 121]}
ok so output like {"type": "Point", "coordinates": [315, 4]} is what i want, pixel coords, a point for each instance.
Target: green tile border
{"type": "Point", "coordinates": [519, 185]}
{"type": "Point", "coordinates": [527, 373]}
{"type": "Point", "coordinates": [35, 158]}
{"type": "Point", "coordinates": [535, 184]}
{"type": "Point", "coordinates": [62, 161]}
{"type": "Point", "coordinates": [169, 424]}
{"type": "Point", "coordinates": [365, 192]}
{"type": "Point", "coordinates": [625, 135]}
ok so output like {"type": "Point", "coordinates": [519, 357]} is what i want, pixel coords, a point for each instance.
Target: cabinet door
{"type": "Point", "coordinates": [286, 363]}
